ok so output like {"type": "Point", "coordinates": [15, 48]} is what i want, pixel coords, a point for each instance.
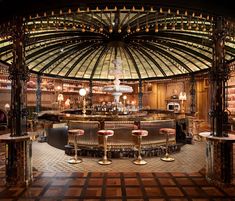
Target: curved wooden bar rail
{"type": "Point", "coordinates": [122, 142]}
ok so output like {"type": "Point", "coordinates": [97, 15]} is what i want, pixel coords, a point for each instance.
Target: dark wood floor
{"type": "Point", "coordinates": [115, 186]}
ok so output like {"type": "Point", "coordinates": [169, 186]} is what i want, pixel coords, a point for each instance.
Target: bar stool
{"type": "Point", "coordinates": [75, 133]}
{"type": "Point", "coordinates": [167, 132]}
{"type": "Point", "coordinates": [105, 134]}
{"type": "Point", "coordinates": [139, 134]}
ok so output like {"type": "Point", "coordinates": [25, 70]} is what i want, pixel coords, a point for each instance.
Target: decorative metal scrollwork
{"type": "Point", "coordinates": [21, 73]}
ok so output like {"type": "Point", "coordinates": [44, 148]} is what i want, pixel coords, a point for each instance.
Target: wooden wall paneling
{"type": "Point", "coordinates": [161, 96]}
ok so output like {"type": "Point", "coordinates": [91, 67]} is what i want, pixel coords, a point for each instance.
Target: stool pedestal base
{"type": "Point", "coordinates": [167, 158]}
{"type": "Point", "coordinates": [76, 134]}
{"type": "Point", "coordinates": [139, 161]}
{"type": "Point", "coordinates": [167, 132]}
{"type": "Point", "coordinates": [104, 162]}
{"type": "Point", "coordinates": [74, 160]}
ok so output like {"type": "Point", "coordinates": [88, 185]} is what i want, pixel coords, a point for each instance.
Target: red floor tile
{"type": "Point", "coordinates": [79, 174]}
{"type": "Point", "coordinates": [113, 192]}
{"type": "Point", "coordinates": [108, 186]}
{"type": "Point", "coordinates": [167, 181]}
{"type": "Point", "coordinates": [201, 181]}
{"type": "Point", "coordinates": [195, 174]}
{"type": "Point", "coordinates": [60, 182]}
{"type": "Point", "coordinates": [178, 174]}
{"type": "Point", "coordinates": [41, 181]}
{"type": "Point", "coordinates": [73, 191]}
{"type": "Point", "coordinates": [129, 174]}
{"type": "Point", "coordinates": [162, 174]}
{"type": "Point", "coordinates": [146, 174]}
{"type": "Point", "coordinates": [194, 191]}
{"type": "Point", "coordinates": [13, 191]}
{"type": "Point", "coordinates": [133, 192]}
{"type": "Point", "coordinates": [95, 182]}
{"type": "Point", "coordinates": [149, 181]}
{"type": "Point", "coordinates": [97, 174]}
{"type": "Point", "coordinates": [153, 191]}
{"type": "Point", "coordinates": [93, 192]}
{"type": "Point", "coordinates": [131, 182]}
{"type": "Point", "coordinates": [53, 192]}
{"type": "Point", "coordinates": [113, 174]}
{"type": "Point", "coordinates": [32, 192]}
{"type": "Point", "coordinates": [173, 191]}
{"type": "Point", "coordinates": [76, 182]}
{"type": "Point", "coordinates": [184, 181]}
{"type": "Point", "coordinates": [113, 182]}
{"type": "Point", "coordinates": [212, 191]}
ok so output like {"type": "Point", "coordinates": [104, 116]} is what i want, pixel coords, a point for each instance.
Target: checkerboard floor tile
{"type": "Point", "coordinates": [99, 186]}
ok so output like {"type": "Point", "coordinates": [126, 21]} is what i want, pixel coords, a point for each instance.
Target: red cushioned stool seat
{"type": "Point", "coordinates": [105, 132]}
{"type": "Point", "coordinates": [168, 131]}
{"type": "Point", "coordinates": [139, 132]}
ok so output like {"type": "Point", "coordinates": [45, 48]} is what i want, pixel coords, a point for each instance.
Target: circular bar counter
{"type": "Point", "coordinates": [122, 144]}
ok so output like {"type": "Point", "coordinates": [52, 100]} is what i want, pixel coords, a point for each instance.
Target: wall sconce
{"type": "Point", "coordinates": [82, 92]}
{"type": "Point", "coordinates": [182, 98]}
{"type": "Point", "coordinates": [67, 103]}
{"type": "Point", "coordinates": [124, 99]}
{"type": "Point", "coordinates": [7, 107]}
{"type": "Point", "coordinates": [58, 88]}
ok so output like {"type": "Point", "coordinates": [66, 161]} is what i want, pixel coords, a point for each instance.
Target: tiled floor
{"type": "Point", "coordinates": [191, 158]}
{"type": "Point", "coordinates": [118, 186]}
{"type": "Point", "coordinates": [56, 180]}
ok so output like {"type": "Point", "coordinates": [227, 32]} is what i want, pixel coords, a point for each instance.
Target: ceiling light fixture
{"type": "Point", "coordinates": [111, 25]}
{"type": "Point", "coordinates": [83, 28]}
{"type": "Point", "coordinates": [156, 24]}
{"type": "Point", "coordinates": [147, 25]}
{"type": "Point", "coordinates": [165, 25]}
{"type": "Point", "coordinates": [101, 26]}
{"type": "Point", "coordinates": [128, 26]}
{"type": "Point", "coordinates": [138, 26]}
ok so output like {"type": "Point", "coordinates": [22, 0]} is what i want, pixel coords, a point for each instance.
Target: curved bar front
{"type": "Point", "coordinates": [121, 141]}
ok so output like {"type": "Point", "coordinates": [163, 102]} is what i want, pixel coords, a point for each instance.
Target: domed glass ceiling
{"type": "Point", "coordinates": [152, 44]}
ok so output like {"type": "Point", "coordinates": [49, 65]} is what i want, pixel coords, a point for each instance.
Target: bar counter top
{"type": "Point", "coordinates": [60, 116]}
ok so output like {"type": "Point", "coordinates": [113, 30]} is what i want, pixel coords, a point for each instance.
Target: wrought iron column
{"type": "Point", "coordinates": [18, 73]}
{"type": "Point", "coordinates": [193, 95]}
{"type": "Point", "coordinates": [38, 94]}
{"type": "Point", "coordinates": [218, 77]}
{"type": "Point", "coordinates": [219, 149]}
{"type": "Point", "coordinates": [91, 93]}
{"type": "Point", "coordinates": [140, 95]}
{"type": "Point", "coordinates": [19, 145]}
